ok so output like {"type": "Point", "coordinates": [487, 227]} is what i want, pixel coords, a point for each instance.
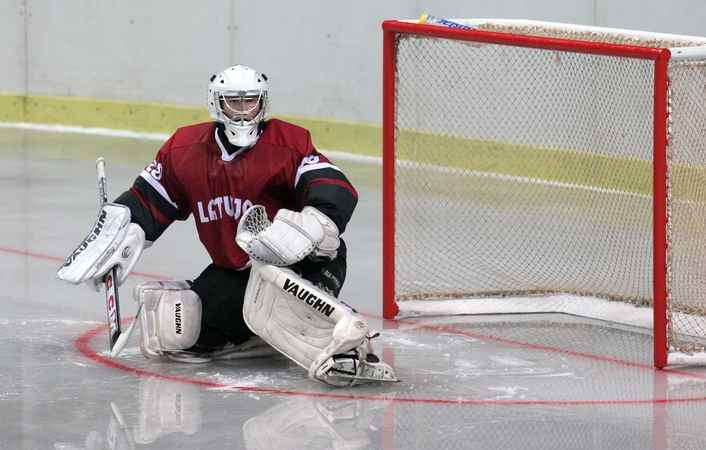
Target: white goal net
{"type": "Point", "coordinates": [535, 167]}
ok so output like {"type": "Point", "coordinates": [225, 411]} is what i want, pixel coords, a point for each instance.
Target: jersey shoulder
{"type": "Point", "coordinates": [285, 134]}
{"type": "Point", "coordinates": [193, 134]}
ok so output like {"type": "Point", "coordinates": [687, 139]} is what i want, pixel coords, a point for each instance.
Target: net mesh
{"type": "Point", "coordinates": [522, 171]}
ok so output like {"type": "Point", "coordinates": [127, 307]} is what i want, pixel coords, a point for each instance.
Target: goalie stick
{"type": "Point", "coordinates": [116, 337]}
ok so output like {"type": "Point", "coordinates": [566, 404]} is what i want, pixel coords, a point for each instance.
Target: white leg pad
{"type": "Point", "coordinates": [300, 320]}
{"type": "Point", "coordinates": [170, 319]}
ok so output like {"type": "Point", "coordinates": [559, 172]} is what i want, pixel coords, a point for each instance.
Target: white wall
{"type": "Point", "coordinates": [323, 57]}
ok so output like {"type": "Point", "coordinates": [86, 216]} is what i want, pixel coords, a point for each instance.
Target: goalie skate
{"type": "Point", "coordinates": [351, 367]}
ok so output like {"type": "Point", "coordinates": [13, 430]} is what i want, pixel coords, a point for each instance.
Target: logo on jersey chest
{"type": "Point", "coordinates": [220, 207]}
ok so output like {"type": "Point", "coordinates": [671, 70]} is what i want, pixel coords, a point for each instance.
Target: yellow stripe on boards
{"type": "Point", "coordinates": [341, 136]}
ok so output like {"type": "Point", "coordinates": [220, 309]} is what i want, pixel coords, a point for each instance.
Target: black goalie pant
{"type": "Point", "coordinates": [222, 294]}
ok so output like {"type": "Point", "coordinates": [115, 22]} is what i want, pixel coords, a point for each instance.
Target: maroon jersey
{"type": "Point", "coordinates": [194, 173]}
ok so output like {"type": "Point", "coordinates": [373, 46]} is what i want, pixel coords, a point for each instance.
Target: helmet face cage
{"type": "Point", "coordinates": [241, 108]}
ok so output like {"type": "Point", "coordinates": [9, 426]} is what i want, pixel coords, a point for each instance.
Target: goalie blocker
{"type": "Point", "coordinates": [113, 241]}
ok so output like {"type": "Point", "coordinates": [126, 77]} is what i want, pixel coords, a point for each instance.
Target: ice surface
{"type": "Point", "coordinates": [467, 382]}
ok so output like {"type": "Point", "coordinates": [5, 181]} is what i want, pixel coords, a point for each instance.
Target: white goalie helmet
{"type": "Point", "coordinates": [238, 98]}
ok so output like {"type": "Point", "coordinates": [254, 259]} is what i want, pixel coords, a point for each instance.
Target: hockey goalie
{"type": "Point", "coordinates": [277, 268]}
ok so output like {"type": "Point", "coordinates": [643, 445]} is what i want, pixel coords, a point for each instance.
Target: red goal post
{"type": "Point", "coordinates": [540, 167]}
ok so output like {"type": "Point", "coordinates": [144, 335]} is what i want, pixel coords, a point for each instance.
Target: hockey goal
{"type": "Point", "coordinates": [541, 167]}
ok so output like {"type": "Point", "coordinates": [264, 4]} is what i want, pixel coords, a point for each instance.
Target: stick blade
{"type": "Point", "coordinates": [122, 339]}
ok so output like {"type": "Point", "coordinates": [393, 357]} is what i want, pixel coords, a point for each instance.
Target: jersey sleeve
{"type": "Point", "coordinates": [321, 184]}
{"type": "Point", "coordinates": [152, 197]}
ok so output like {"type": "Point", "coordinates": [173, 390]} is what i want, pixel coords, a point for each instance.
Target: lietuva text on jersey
{"type": "Point", "coordinates": [197, 172]}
